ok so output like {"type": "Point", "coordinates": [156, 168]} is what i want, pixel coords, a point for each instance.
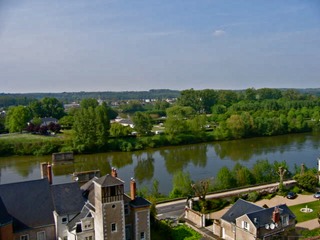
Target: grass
{"type": "Point", "coordinates": [28, 137]}
{"type": "Point", "coordinates": [163, 230]}
{"type": "Point", "coordinates": [300, 216]}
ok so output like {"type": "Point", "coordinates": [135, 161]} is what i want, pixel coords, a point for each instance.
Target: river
{"type": "Point", "coordinates": [200, 160]}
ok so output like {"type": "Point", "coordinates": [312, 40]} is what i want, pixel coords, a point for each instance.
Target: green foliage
{"type": "Point", "coordinates": [89, 102]}
{"type": "Point", "coordinates": [91, 128]}
{"type": "Point", "coordinates": [310, 233]}
{"type": "Point", "coordinates": [181, 184]}
{"type": "Point", "coordinates": [225, 179]}
{"type": "Point", "coordinates": [142, 123]}
{"type": "Point", "coordinates": [17, 118]}
{"type": "Point", "coordinates": [51, 107]}
{"type": "Point", "coordinates": [211, 205]}
{"type": "Point", "coordinates": [118, 130]}
{"type": "Point", "coordinates": [253, 196]}
{"type": "Point", "coordinates": [307, 181]}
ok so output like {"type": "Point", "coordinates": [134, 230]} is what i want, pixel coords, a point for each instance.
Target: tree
{"type": "Point", "coordinates": [190, 98]}
{"type": "Point", "coordinates": [142, 123]}
{"type": "Point", "coordinates": [52, 107]}
{"type": "Point", "coordinates": [225, 179]}
{"type": "Point", "coordinates": [91, 128]}
{"type": "Point", "coordinates": [242, 175]}
{"type": "Point", "coordinates": [176, 120]}
{"type": "Point", "coordinates": [118, 130]}
{"type": "Point", "coordinates": [236, 125]}
{"type": "Point", "coordinates": [181, 184]}
{"type": "Point", "coordinates": [89, 102]}
{"type": "Point", "coordinates": [307, 181]}
{"type": "Point", "coordinates": [102, 124]}
{"type": "Point", "coordinates": [262, 171]}
{"type": "Point", "coordinates": [17, 118]}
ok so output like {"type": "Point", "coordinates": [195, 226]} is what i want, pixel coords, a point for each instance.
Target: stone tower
{"type": "Point", "coordinates": [109, 219]}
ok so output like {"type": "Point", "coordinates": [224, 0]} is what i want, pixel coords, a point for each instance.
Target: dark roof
{"type": "Point", "coordinates": [264, 216]}
{"type": "Point", "coordinates": [85, 212]}
{"type": "Point", "coordinates": [238, 209]}
{"type": "Point", "coordinates": [88, 190]}
{"type": "Point", "coordinates": [29, 203]}
{"type": "Point", "coordinates": [4, 215]}
{"type": "Point", "coordinates": [67, 198]}
{"type": "Point", "coordinates": [108, 180]}
{"type": "Point", "coordinates": [139, 202]}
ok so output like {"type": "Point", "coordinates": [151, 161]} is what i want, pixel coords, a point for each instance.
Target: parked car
{"type": "Point", "coordinates": [317, 195]}
{"type": "Point", "coordinates": [291, 195]}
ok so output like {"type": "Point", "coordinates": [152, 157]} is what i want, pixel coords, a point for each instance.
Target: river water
{"type": "Point", "coordinates": [200, 160]}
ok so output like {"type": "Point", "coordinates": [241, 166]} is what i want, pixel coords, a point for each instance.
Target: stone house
{"type": "Point", "coordinates": [244, 220]}
{"type": "Point", "coordinates": [97, 210]}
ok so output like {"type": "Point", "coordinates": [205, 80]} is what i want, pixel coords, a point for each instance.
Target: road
{"type": "Point", "coordinates": [175, 209]}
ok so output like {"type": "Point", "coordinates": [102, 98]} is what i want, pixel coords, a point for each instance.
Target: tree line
{"type": "Point", "coordinates": [196, 116]}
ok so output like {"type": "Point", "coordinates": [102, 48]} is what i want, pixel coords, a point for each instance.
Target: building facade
{"type": "Point", "coordinates": [99, 210]}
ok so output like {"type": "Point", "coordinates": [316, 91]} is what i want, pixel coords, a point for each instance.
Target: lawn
{"type": "Point", "coordinates": [28, 137]}
{"type": "Point", "coordinates": [301, 217]}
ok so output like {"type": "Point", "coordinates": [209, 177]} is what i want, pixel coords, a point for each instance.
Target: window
{"type": "Point", "coordinates": [88, 238]}
{"type": "Point", "coordinates": [64, 220]}
{"type": "Point", "coordinates": [245, 225]}
{"type": "Point", "coordinates": [285, 220]}
{"type": "Point", "coordinates": [41, 235]}
{"type": "Point", "coordinates": [113, 227]}
{"type": "Point", "coordinates": [126, 209]}
{"type": "Point", "coordinates": [142, 236]}
{"type": "Point", "coordinates": [24, 237]}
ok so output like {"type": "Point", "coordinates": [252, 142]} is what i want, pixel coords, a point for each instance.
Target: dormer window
{"type": "Point", "coordinates": [285, 220]}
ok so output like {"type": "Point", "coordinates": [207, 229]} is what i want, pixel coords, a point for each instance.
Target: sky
{"type": "Point", "coordinates": [138, 45]}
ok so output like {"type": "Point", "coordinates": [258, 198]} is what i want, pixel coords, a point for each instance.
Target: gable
{"type": "Point", "coordinates": [238, 209]}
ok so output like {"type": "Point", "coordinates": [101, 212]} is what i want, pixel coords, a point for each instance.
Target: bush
{"type": "Point", "coordinates": [253, 196]}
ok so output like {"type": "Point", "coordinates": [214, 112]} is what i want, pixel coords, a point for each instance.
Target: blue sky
{"type": "Point", "coordinates": [115, 45]}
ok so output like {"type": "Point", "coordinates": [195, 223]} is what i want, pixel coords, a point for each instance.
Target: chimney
{"type": "Point", "coordinates": [114, 172]}
{"type": "Point", "coordinates": [276, 215]}
{"type": "Point", "coordinates": [43, 169]}
{"type": "Point", "coordinates": [49, 173]}
{"type": "Point", "coordinates": [133, 189]}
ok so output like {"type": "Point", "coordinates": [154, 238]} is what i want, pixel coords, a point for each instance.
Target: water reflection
{"type": "Point", "coordinates": [200, 160]}
{"type": "Point", "coordinates": [177, 158]}
{"type": "Point", "coordinates": [144, 169]}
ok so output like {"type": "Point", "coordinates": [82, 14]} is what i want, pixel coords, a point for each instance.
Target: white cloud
{"type": "Point", "coordinates": [219, 33]}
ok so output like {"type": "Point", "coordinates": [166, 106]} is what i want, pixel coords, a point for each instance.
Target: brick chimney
{"type": "Point", "coordinates": [133, 189]}
{"type": "Point", "coordinates": [114, 172]}
{"type": "Point", "coordinates": [49, 173]}
{"type": "Point", "coordinates": [43, 169]}
{"type": "Point", "coordinates": [276, 215]}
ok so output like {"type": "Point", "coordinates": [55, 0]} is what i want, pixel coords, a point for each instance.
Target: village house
{"type": "Point", "coordinates": [97, 210]}
{"type": "Point", "coordinates": [245, 220]}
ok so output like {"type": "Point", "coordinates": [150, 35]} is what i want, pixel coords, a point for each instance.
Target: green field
{"type": "Point", "coordinates": [301, 217]}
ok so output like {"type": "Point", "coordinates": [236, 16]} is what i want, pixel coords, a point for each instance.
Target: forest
{"type": "Point", "coordinates": [194, 116]}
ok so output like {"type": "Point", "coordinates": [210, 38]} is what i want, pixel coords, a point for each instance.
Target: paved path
{"type": "Point", "coordinates": [174, 209]}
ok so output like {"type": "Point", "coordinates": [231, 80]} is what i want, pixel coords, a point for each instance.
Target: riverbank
{"type": "Point", "coordinates": [26, 144]}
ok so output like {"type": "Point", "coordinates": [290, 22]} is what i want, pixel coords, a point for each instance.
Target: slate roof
{"type": "Point", "coordinates": [139, 202]}
{"type": "Point", "coordinates": [108, 180]}
{"type": "Point", "coordinates": [264, 216]}
{"type": "Point", "coordinates": [238, 209]}
{"type": "Point", "coordinates": [85, 212]}
{"type": "Point", "coordinates": [67, 198]}
{"type": "Point", "coordinates": [25, 200]}
{"type": "Point", "coordinates": [4, 215]}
